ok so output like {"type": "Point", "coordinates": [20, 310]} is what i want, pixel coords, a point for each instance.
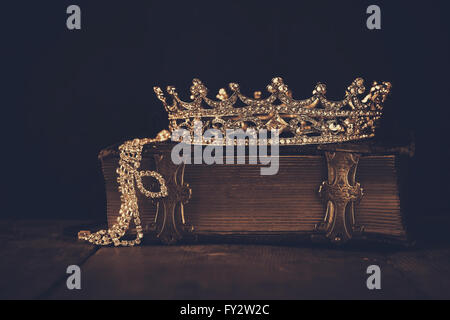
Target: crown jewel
{"type": "Point", "coordinates": [310, 121]}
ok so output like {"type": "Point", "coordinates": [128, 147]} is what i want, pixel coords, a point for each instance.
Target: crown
{"type": "Point", "coordinates": [315, 120]}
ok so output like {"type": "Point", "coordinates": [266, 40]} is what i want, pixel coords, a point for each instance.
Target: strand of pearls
{"type": "Point", "coordinates": [128, 174]}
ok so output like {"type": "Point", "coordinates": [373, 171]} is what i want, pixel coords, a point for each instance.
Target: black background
{"type": "Point", "coordinates": [68, 94]}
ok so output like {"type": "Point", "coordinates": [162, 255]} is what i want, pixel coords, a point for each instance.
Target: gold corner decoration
{"type": "Point", "coordinates": [340, 192]}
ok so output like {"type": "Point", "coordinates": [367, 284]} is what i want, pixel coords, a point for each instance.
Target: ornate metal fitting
{"type": "Point", "coordinates": [340, 192]}
{"type": "Point", "coordinates": [170, 223]}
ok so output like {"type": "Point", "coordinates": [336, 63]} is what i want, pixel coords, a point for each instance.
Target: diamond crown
{"type": "Point", "coordinates": [309, 121]}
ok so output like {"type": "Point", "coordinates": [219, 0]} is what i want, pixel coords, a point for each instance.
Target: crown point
{"type": "Point", "coordinates": [234, 86]}
{"type": "Point", "coordinates": [357, 87]}
{"type": "Point", "coordinates": [359, 81]}
{"type": "Point", "coordinates": [198, 88]}
{"type": "Point", "coordinates": [283, 88]}
{"type": "Point", "coordinates": [171, 90]}
{"type": "Point", "coordinates": [271, 89]}
{"type": "Point", "coordinates": [222, 95]}
{"type": "Point", "coordinates": [320, 89]}
{"type": "Point", "coordinates": [159, 93]}
{"type": "Point", "coordinates": [277, 80]}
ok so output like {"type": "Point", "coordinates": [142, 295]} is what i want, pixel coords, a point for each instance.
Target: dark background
{"type": "Point", "coordinates": [68, 94]}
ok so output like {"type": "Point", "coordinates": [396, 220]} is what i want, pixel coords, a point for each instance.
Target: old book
{"type": "Point", "coordinates": [332, 192]}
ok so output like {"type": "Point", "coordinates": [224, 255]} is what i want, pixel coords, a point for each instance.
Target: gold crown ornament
{"type": "Point", "coordinates": [315, 120]}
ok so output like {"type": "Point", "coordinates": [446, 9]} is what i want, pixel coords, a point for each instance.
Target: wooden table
{"type": "Point", "coordinates": [35, 255]}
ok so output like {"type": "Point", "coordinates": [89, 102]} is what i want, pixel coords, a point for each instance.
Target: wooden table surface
{"type": "Point", "coordinates": [35, 255]}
